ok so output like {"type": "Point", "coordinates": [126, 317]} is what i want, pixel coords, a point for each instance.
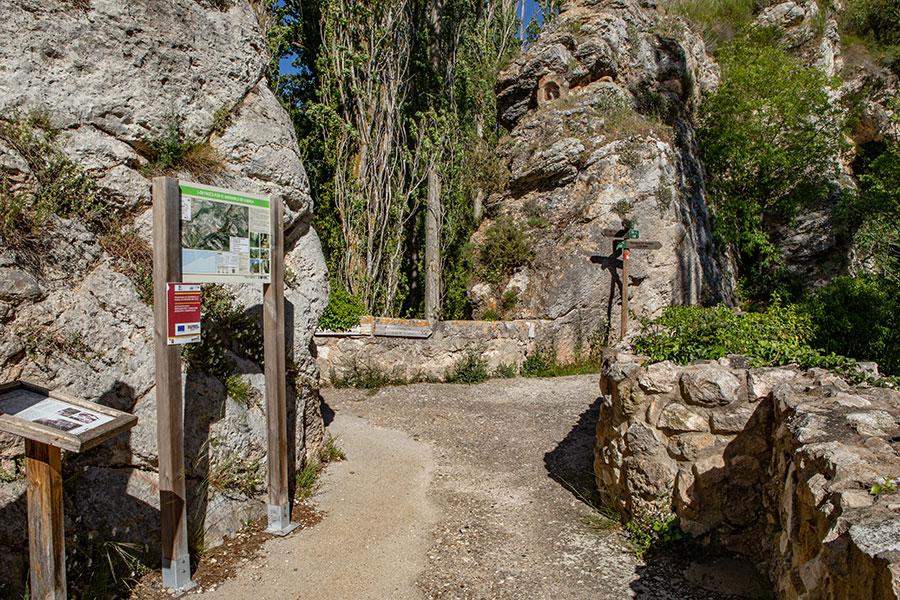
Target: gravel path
{"type": "Point", "coordinates": [470, 492]}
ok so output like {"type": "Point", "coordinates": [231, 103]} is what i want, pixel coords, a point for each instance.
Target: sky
{"type": "Point", "coordinates": [531, 10]}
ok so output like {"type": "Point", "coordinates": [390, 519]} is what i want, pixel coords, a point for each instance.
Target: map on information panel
{"type": "Point", "coordinates": [225, 235]}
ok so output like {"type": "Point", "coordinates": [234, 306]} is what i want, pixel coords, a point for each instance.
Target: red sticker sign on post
{"type": "Point", "coordinates": [183, 309]}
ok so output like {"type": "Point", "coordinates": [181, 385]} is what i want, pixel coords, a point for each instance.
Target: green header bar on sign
{"type": "Point", "coordinates": [222, 195]}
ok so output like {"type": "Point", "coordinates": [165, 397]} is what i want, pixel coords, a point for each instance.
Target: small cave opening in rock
{"type": "Point", "coordinates": [551, 91]}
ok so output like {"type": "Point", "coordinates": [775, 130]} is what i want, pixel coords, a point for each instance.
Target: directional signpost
{"type": "Point", "coordinates": [627, 239]}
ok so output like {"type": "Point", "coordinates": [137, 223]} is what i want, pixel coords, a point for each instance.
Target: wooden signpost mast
{"type": "Point", "coordinates": [176, 562]}
{"type": "Point", "coordinates": [626, 239]}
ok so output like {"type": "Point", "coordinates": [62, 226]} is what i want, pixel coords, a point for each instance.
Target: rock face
{"type": "Point", "coordinates": [110, 77]}
{"type": "Point", "coordinates": [599, 111]}
{"type": "Point", "coordinates": [775, 464]}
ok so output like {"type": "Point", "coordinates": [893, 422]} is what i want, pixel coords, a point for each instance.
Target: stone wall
{"type": "Point", "coordinates": [500, 343]}
{"type": "Point", "coordinates": [108, 77]}
{"type": "Point", "coordinates": [773, 463]}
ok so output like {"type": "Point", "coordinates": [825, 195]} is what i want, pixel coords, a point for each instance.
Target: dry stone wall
{"type": "Point", "coordinates": [773, 463]}
{"type": "Point", "coordinates": [110, 76]}
{"type": "Point", "coordinates": [498, 343]}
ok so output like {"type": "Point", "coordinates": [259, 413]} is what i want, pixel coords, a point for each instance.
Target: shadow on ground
{"type": "Point", "coordinates": [669, 574]}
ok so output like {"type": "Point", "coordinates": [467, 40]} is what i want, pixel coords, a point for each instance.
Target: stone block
{"type": "Point", "coordinates": [679, 418]}
{"type": "Point", "coordinates": [708, 385]}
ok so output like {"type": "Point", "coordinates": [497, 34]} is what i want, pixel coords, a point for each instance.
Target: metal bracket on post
{"type": "Point", "coordinates": [280, 520]}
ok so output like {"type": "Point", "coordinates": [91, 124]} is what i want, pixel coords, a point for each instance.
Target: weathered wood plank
{"type": "Point", "coordinates": [46, 536]}
{"type": "Point", "coordinates": [275, 375]}
{"type": "Point", "coordinates": [169, 390]}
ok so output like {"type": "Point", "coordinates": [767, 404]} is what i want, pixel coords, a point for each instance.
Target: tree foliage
{"type": "Point", "coordinates": [770, 141]}
{"type": "Point", "coordinates": [380, 93]}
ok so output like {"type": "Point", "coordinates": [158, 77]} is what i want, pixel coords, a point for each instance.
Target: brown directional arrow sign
{"type": "Point", "coordinates": [626, 239]}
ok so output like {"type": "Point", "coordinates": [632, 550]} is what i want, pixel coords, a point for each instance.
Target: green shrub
{"type": "Point", "coordinates": [306, 480]}
{"type": "Point", "coordinates": [879, 19]}
{"type": "Point", "coordinates": [237, 475]}
{"type": "Point", "coordinates": [779, 335]}
{"type": "Point", "coordinates": [505, 249]}
{"type": "Point", "coordinates": [330, 451]}
{"type": "Point", "coordinates": [343, 310]}
{"type": "Point", "coordinates": [873, 214]}
{"type": "Point", "coordinates": [98, 566]}
{"type": "Point", "coordinates": [769, 135]}
{"type": "Point", "coordinates": [859, 317]}
{"type": "Point", "coordinates": [471, 368]}
{"type": "Point", "coordinates": [62, 187]}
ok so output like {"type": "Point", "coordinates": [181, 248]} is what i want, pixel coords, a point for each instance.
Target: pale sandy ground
{"type": "Point", "coordinates": [374, 538]}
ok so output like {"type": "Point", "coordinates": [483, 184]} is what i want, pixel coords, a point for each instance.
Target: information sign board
{"type": "Point", "coordinates": [39, 414]}
{"type": "Point", "coordinates": [183, 313]}
{"type": "Point", "coordinates": [226, 236]}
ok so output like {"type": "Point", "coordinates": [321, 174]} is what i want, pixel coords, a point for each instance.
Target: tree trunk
{"type": "Point", "coordinates": [433, 247]}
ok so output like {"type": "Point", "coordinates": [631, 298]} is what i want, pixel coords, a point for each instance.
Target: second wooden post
{"type": "Point", "coordinates": [279, 509]}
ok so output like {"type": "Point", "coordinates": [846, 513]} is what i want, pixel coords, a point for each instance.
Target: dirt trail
{"type": "Point", "coordinates": [470, 492]}
{"type": "Point", "coordinates": [373, 540]}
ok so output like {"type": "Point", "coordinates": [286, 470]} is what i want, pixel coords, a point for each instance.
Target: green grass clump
{"type": "Point", "coordinates": [717, 21]}
{"type": "Point", "coordinates": [235, 474]}
{"type": "Point", "coordinates": [343, 310]}
{"type": "Point", "coordinates": [365, 376]}
{"type": "Point", "coordinates": [330, 451]}
{"type": "Point", "coordinates": [171, 152]}
{"type": "Point", "coordinates": [544, 363]}
{"type": "Point", "coordinates": [471, 368]}
{"type": "Point", "coordinates": [100, 567]}
{"type": "Point", "coordinates": [239, 389]}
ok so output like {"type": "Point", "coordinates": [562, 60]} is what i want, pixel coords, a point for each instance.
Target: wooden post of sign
{"type": "Point", "coordinates": [46, 539]}
{"type": "Point", "coordinates": [176, 562]}
{"type": "Point", "coordinates": [279, 509]}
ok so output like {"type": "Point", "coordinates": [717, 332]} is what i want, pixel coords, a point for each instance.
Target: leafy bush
{"type": "Point", "coordinates": [779, 335]}
{"type": "Point", "coordinates": [490, 315]}
{"type": "Point", "coordinates": [506, 371]}
{"type": "Point", "coordinates": [769, 135]}
{"type": "Point", "coordinates": [471, 368]}
{"type": "Point", "coordinates": [859, 317]}
{"type": "Point", "coordinates": [505, 248]}
{"type": "Point", "coordinates": [239, 389]}
{"type": "Point", "coordinates": [343, 310]}
{"type": "Point", "coordinates": [878, 23]}
{"type": "Point", "coordinates": [874, 213]}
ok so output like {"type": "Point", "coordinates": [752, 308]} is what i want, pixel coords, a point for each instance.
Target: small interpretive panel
{"type": "Point", "coordinates": [39, 414]}
{"type": "Point", "coordinates": [226, 236]}
{"type": "Point", "coordinates": [183, 313]}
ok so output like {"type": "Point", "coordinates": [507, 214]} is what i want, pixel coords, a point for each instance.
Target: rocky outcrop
{"type": "Point", "coordinates": [773, 463]}
{"type": "Point", "coordinates": [610, 141]}
{"type": "Point", "coordinates": [107, 78]}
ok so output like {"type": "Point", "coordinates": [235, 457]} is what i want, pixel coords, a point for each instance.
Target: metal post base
{"type": "Point", "coordinates": [280, 520]}
{"type": "Point", "coordinates": [176, 574]}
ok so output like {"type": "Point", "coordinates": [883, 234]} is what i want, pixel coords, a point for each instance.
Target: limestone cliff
{"type": "Point", "coordinates": [600, 115]}
{"type": "Point", "coordinates": [97, 81]}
